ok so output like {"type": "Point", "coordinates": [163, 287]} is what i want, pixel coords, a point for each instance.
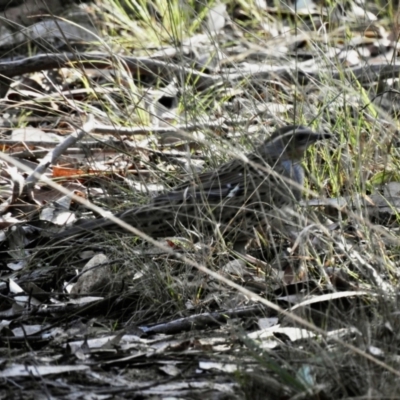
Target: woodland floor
{"type": "Point", "coordinates": [157, 92]}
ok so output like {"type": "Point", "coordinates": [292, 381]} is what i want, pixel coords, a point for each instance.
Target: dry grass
{"type": "Point", "coordinates": [335, 251]}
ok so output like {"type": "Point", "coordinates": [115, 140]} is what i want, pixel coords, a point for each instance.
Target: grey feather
{"type": "Point", "coordinates": [238, 195]}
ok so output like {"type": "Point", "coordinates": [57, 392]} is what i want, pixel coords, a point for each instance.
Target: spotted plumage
{"type": "Point", "coordinates": [236, 197]}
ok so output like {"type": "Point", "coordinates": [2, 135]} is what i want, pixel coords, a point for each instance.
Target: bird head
{"type": "Point", "coordinates": [290, 142]}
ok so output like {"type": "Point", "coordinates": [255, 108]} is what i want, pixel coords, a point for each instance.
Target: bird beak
{"type": "Point", "coordinates": [317, 136]}
{"type": "Point", "coordinates": [324, 135]}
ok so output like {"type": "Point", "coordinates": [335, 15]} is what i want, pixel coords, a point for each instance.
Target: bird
{"type": "Point", "coordinates": [235, 198]}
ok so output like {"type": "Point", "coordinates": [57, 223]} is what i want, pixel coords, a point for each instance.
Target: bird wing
{"type": "Point", "coordinates": [229, 181]}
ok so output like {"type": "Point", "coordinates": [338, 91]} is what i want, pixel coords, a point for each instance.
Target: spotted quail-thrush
{"type": "Point", "coordinates": [236, 197]}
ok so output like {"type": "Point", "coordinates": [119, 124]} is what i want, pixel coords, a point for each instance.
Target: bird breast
{"type": "Point", "coordinates": [295, 172]}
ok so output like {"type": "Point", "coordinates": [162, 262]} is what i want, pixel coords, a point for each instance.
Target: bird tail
{"type": "Point", "coordinates": [86, 228]}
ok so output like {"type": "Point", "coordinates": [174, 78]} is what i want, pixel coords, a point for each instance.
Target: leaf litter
{"type": "Point", "coordinates": [72, 311]}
